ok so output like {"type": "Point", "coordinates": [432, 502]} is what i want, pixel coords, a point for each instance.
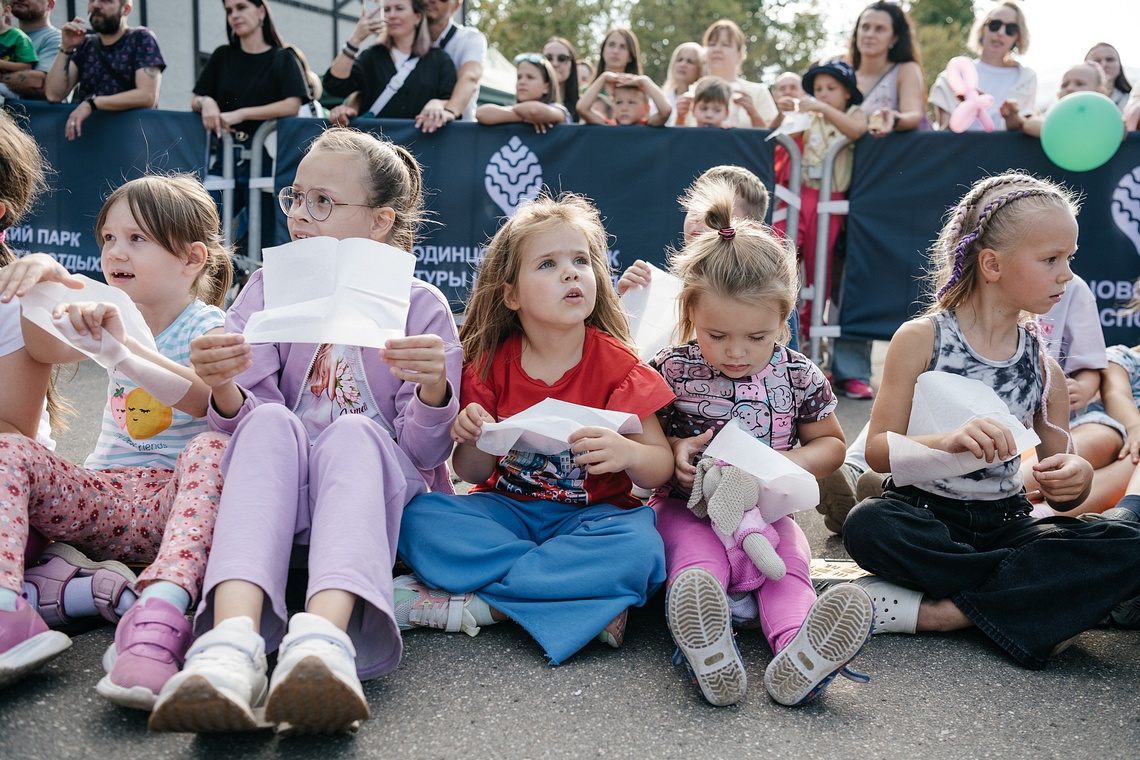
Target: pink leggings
{"type": "Point", "coordinates": [132, 514]}
{"type": "Point", "coordinates": [690, 542]}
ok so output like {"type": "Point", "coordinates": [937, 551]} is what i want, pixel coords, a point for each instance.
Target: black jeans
{"type": "Point", "coordinates": [1027, 583]}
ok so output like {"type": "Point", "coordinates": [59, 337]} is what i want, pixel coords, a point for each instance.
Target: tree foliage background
{"type": "Point", "coordinates": [779, 34]}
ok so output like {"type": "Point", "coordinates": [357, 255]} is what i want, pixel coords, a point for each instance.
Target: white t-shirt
{"type": "Point", "coordinates": [12, 340]}
{"type": "Point", "coordinates": [466, 44]}
{"type": "Point", "coordinates": [138, 430]}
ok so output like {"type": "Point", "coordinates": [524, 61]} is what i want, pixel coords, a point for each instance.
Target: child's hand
{"type": "Point", "coordinates": [1008, 108]}
{"type": "Point", "coordinates": [1079, 395]}
{"type": "Point", "coordinates": [882, 122]}
{"type": "Point", "coordinates": [88, 317]}
{"type": "Point", "coordinates": [1063, 478]}
{"type": "Point", "coordinates": [469, 423]}
{"type": "Point", "coordinates": [637, 275]}
{"type": "Point", "coordinates": [21, 275]}
{"type": "Point", "coordinates": [220, 357]}
{"type": "Point", "coordinates": [602, 450]}
{"type": "Point", "coordinates": [811, 105]}
{"type": "Point", "coordinates": [1131, 447]}
{"type": "Point", "coordinates": [419, 359]}
{"type": "Point", "coordinates": [685, 450]}
{"type": "Point", "coordinates": [982, 437]}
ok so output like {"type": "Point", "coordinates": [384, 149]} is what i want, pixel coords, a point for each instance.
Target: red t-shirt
{"type": "Point", "coordinates": [610, 376]}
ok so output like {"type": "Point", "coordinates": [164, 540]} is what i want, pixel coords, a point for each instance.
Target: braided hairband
{"type": "Point", "coordinates": [728, 233]}
{"type": "Point", "coordinates": [966, 241]}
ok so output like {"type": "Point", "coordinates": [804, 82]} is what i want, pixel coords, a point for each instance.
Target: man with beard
{"type": "Point", "coordinates": [33, 18]}
{"type": "Point", "coordinates": [116, 68]}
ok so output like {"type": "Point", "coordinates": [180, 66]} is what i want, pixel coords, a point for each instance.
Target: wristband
{"type": "Point", "coordinates": [346, 51]}
{"type": "Point", "coordinates": [453, 113]}
{"type": "Point", "coordinates": [90, 100]}
{"type": "Point", "coordinates": [354, 48]}
{"type": "Point", "coordinates": [65, 51]}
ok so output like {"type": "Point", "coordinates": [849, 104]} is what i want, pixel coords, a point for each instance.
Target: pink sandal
{"type": "Point", "coordinates": [61, 564]}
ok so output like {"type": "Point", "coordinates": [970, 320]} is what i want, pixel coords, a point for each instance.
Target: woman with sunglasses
{"type": "Point", "coordinates": [564, 59]}
{"type": "Point", "coordinates": [396, 77]}
{"type": "Point", "coordinates": [536, 96]}
{"type": "Point", "coordinates": [996, 38]}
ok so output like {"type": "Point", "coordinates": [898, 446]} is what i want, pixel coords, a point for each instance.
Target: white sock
{"type": "Point", "coordinates": [168, 592]}
{"type": "Point", "coordinates": [480, 610]}
{"type": "Point", "coordinates": [8, 599]}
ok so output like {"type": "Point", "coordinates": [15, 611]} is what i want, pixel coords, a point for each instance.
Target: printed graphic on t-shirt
{"type": "Point", "coordinates": [538, 476]}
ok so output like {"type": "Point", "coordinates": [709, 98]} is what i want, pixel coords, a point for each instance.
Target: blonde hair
{"type": "Point", "coordinates": [670, 83]}
{"type": "Point", "coordinates": [995, 213]}
{"type": "Point", "coordinates": [176, 211]}
{"type": "Point", "coordinates": [1022, 44]}
{"type": "Point", "coordinates": [22, 177]}
{"type": "Point", "coordinates": [739, 260]}
{"type": "Point", "coordinates": [749, 189]}
{"type": "Point", "coordinates": [393, 177]}
{"type": "Point", "coordinates": [489, 322]}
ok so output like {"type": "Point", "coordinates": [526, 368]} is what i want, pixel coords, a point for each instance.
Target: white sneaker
{"type": "Point", "coordinates": [220, 686]}
{"type": "Point", "coordinates": [315, 688]}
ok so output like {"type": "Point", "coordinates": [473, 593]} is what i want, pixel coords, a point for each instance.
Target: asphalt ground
{"type": "Point", "coordinates": [493, 696]}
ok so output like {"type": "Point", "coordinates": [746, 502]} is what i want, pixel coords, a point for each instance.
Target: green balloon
{"type": "Point", "coordinates": [1082, 131]}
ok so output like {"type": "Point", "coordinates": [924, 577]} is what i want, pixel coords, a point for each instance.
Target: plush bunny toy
{"type": "Point", "coordinates": [727, 495]}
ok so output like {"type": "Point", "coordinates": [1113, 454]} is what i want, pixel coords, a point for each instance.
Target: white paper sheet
{"type": "Point", "coordinates": [653, 312]}
{"type": "Point", "coordinates": [38, 304]}
{"type": "Point", "coordinates": [352, 292]}
{"type": "Point", "coordinates": [545, 427]}
{"type": "Point", "coordinates": [794, 122]}
{"type": "Point", "coordinates": [785, 487]}
{"type": "Point", "coordinates": [944, 402]}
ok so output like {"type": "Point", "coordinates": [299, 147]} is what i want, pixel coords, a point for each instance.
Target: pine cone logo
{"type": "Point", "coordinates": [513, 176]}
{"type": "Point", "coordinates": [1126, 206]}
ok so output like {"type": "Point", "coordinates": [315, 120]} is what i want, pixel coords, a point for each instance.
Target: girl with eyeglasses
{"type": "Point", "coordinates": [564, 59]}
{"type": "Point", "coordinates": [996, 38]}
{"type": "Point", "coordinates": [330, 442]}
{"type": "Point", "coordinates": [537, 93]}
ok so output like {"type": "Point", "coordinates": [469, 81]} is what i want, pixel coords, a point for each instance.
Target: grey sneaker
{"type": "Point", "coordinates": [1126, 614]}
{"type": "Point", "coordinates": [837, 496]}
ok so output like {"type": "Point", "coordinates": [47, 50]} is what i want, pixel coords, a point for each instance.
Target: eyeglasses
{"type": "Point", "coordinates": [1011, 29]}
{"type": "Point", "coordinates": [319, 205]}
{"type": "Point", "coordinates": [560, 58]}
{"type": "Point", "coordinates": [534, 58]}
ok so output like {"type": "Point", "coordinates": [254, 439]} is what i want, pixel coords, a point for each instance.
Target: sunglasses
{"type": "Point", "coordinates": [1011, 29]}
{"type": "Point", "coordinates": [560, 58]}
{"type": "Point", "coordinates": [534, 58]}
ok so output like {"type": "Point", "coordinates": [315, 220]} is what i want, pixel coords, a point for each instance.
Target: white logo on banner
{"type": "Point", "coordinates": [1126, 206]}
{"type": "Point", "coordinates": [513, 176]}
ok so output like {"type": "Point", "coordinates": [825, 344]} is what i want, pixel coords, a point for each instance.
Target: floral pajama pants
{"type": "Point", "coordinates": [164, 518]}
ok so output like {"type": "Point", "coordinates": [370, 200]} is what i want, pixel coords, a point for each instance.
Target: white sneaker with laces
{"type": "Point", "coordinates": [315, 689]}
{"type": "Point", "coordinates": [221, 684]}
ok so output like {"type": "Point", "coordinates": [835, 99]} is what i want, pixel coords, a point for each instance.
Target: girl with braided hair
{"type": "Point", "coordinates": [964, 550]}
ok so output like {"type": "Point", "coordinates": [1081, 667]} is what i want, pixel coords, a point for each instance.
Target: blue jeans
{"type": "Point", "coordinates": [1027, 583]}
{"type": "Point", "coordinates": [794, 327]}
{"type": "Point", "coordinates": [850, 360]}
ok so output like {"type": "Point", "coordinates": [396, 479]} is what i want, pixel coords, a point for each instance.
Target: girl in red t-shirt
{"type": "Point", "coordinates": [555, 542]}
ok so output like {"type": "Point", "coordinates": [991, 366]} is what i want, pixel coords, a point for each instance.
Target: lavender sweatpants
{"type": "Point", "coordinates": [691, 542]}
{"type": "Point", "coordinates": [342, 497]}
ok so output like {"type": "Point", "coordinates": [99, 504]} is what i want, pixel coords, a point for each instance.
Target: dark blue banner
{"type": "Point", "coordinates": [475, 176]}
{"type": "Point", "coordinates": [114, 148]}
{"type": "Point", "coordinates": [904, 185]}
